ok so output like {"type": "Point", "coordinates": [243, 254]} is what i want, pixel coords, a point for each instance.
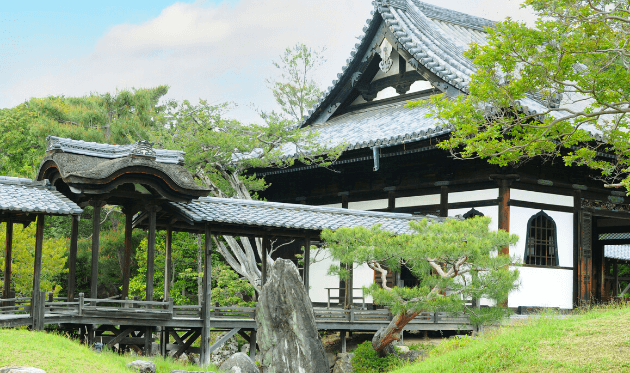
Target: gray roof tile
{"type": "Point", "coordinates": [617, 252]}
{"type": "Point", "coordinates": [25, 195]}
{"type": "Point", "coordinates": [284, 215]}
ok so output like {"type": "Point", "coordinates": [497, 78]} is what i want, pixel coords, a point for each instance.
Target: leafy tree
{"type": "Point", "coordinates": [53, 259]}
{"type": "Point", "coordinates": [296, 91]}
{"type": "Point", "coordinates": [453, 261]}
{"type": "Point", "coordinates": [576, 62]}
{"type": "Point", "coordinates": [220, 153]}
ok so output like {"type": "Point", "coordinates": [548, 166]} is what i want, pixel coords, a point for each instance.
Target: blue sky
{"type": "Point", "coordinates": [215, 50]}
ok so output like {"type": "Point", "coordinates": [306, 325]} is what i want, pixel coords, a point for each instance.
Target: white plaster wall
{"type": "Point", "coordinates": [552, 199]}
{"type": "Point", "coordinates": [543, 287]}
{"type": "Point", "coordinates": [363, 276]}
{"type": "Point", "coordinates": [431, 199]}
{"type": "Point", "coordinates": [475, 195]}
{"type": "Point", "coordinates": [564, 225]}
{"type": "Point", "coordinates": [490, 211]}
{"type": "Point", "coordinates": [319, 280]}
{"type": "Point", "coordinates": [368, 205]}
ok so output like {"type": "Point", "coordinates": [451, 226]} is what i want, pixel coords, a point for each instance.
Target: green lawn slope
{"type": "Point", "coordinates": [593, 341]}
{"type": "Point", "coordinates": [58, 354]}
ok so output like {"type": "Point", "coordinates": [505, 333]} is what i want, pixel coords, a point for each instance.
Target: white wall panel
{"type": "Point", "coordinates": [319, 280]}
{"type": "Point", "coordinates": [552, 199]}
{"type": "Point", "coordinates": [431, 199]}
{"type": "Point", "coordinates": [491, 211]}
{"type": "Point", "coordinates": [368, 205]}
{"type": "Point", "coordinates": [543, 287]}
{"type": "Point", "coordinates": [363, 276]}
{"type": "Point", "coordinates": [475, 195]}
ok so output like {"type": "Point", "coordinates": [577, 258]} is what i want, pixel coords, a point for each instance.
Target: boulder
{"type": "Point", "coordinates": [412, 355]}
{"type": "Point", "coordinates": [344, 363]}
{"type": "Point", "coordinates": [142, 366]}
{"type": "Point", "coordinates": [287, 335]}
{"type": "Point", "coordinates": [331, 359]}
{"type": "Point", "coordinates": [21, 370]}
{"type": "Point", "coordinates": [239, 363]}
{"type": "Point", "coordinates": [229, 348]}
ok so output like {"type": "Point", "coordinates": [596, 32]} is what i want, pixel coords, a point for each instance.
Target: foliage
{"type": "Point", "coordinates": [119, 119]}
{"type": "Point", "coordinates": [453, 261]}
{"type": "Point", "coordinates": [575, 61]}
{"type": "Point", "coordinates": [296, 91]}
{"type": "Point", "coordinates": [53, 259]}
{"type": "Point", "coordinates": [366, 360]}
{"type": "Point", "coordinates": [592, 341]}
{"type": "Point", "coordinates": [59, 354]}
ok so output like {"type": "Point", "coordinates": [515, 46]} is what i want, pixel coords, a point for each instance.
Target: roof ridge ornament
{"type": "Point", "coordinates": [385, 51]}
{"type": "Point", "coordinates": [400, 4]}
{"type": "Point", "coordinates": [143, 148]}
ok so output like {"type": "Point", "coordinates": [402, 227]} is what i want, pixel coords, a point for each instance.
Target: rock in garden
{"type": "Point", "coordinates": [412, 355]}
{"type": "Point", "coordinates": [239, 363]}
{"type": "Point", "coordinates": [287, 334]}
{"type": "Point", "coordinates": [229, 348]}
{"type": "Point", "coordinates": [344, 363]}
{"type": "Point", "coordinates": [331, 359]}
{"type": "Point", "coordinates": [142, 366]}
{"type": "Point", "coordinates": [20, 370]}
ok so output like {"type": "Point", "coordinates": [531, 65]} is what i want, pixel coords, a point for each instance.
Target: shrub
{"type": "Point", "coordinates": [366, 360]}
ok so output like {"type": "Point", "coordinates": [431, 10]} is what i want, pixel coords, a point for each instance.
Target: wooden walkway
{"type": "Point", "coordinates": [133, 323]}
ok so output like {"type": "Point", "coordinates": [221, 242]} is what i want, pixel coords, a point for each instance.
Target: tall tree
{"type": "Point", "coordinates": [220, 151]}
{"type": "Point", "coordinates": [576, 63]}
{"type": "Point", "coordinates": [296, 91]}
{"type": "Point", "coordinates": [454, 261]}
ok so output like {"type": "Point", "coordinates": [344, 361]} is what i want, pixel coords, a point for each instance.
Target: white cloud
{"type": "Point", "coordinates": [219, 53]}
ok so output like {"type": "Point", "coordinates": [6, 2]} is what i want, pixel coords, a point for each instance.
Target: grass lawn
{"type": "Point", "coordinates": [58, 354]}
{"type": "Point", "coordinates": [594, 341]}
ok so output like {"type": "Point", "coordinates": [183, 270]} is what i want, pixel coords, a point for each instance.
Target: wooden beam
{"type": "Point", "coordinates": [204, 356]}
{"type": "Point", "coordinates": [96, 231]}
{"type": "Point", "coordinates": [577, 206]}
{"type": "Point", "coordinates": [37, 266]}
{"type": "Point", "coordinates": [222, 340]}
{"type": "Point", "coordinates": [444, 201]}
{"type": "Point", "coordinates": [72, 257]}
{"type": "Point", "coordinates": [126, 270]}
{"type": "Point", "coordinates": [188, 343]}
{"type": "Point", "coordinates": [504, 210]}
{"type": "Point", "coordinates": [307, 262]}
{"type": "Point", "coordinates": [168, 263]}
{"type": "Point", "coordinates": [151, 252]}
{"type": "Point", "coordinates": [120, 336]}
{"type": "Point", "coordinates": [540, 206]}
{"type": "Point", "coordinates": [8, 254]}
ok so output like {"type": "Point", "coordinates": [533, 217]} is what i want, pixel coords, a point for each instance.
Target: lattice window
{"type": "Point", "coordinates": [541, 247]}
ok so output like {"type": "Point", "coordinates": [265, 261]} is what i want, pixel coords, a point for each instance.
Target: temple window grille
{"type": "Point", "coordinates": [541, 247]}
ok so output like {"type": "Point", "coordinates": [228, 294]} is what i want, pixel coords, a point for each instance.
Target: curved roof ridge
{"type": "Point", "coordinates": [453, 16]}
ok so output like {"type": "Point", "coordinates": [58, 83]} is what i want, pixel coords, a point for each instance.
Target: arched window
{"type": "Point", "coordinates": [541, 247]}
{"type": "Point", "coordinates": [472, 213]}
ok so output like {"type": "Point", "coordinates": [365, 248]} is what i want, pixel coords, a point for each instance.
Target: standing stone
{"type": "Point", "coordinates": [239, 363]}
{"type": "Point", "coordinates": [287, 335]}
{"type": "Point", "coordinates": [142, 366]}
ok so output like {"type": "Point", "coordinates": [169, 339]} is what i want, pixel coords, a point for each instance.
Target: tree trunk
{"type": "Point", "coordinates": [199, 270]}
{"type": "Point", "coordinates": [385, 336]}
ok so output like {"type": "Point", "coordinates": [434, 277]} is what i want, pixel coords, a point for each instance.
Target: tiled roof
{"type": "Point", "coordinates": [109, 151]}
{"type": "Point", "coordinates": [284, 215]}
{"type": "Point", "coordinates": [617, 252]}
{"type": "Point", "coordinates": [26, 195]}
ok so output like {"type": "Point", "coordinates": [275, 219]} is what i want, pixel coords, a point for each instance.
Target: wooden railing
{"type": "Point", "coordinates": [15, 306]}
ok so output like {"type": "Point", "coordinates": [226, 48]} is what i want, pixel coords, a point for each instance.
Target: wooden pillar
{"type": "Point", "coordinates": [252, 344]}
{"type": "Point", "coordinates": [342, 336]}
{"type": "Point", "coordinates": [345, 286]}
{"type": "Point", "coordinates": [344, 199]}
{"type": "Point", "coordinates": [577, 206]}
{"type": "Point", "coordinates": [96, 231]}
{"type": "Point", "coordinates": [8, 253]}
{"type": "Point", "coordinates": [204, 357]}
{"type": "Point", "coordinates": [72, 257]}
{"type": "Point", "coordinates": [444, 201]}
{"type": "Point", "coordinates": [265, 249]}
{"type": "Point", "coordinates": [37, 266]}
{"type": "Point", "coordinates": [585, 258]}
{"type": "Point", "coordinates": [151, 252]}
{"type": "Point", "coordinates": [168, 263]}
{"type": "Point", "coordinates": [148, 340]}
{"type": "Point", "coordinates": [391, 198]}
{"type": "Point", "coordinates": [504, 210]}
{"type": "Point", "coordinates": [307, 262]}
{"type": "Point", "coordinates": [615, 284]}
{"type": "Point", "coordinates": [126, 270]}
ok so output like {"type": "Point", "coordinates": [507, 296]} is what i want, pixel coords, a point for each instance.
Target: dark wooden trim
{"type": "Point", "coordinates": [8, 254]}
{"type": "Point", "coordinates": [444, 201]}
{"type": "Point", "coordinates": [607, 213]}
{"type": "Point", "coordinates": [168, 262]}
{"type": "Point", "coordinates": [126, 271]}
{"type": "Point", "coordinates": [96, 231]}
{"type": "Point", "coordinates": [504, 209]}
{"type": "Point", "coordinates": [204, 358]}
{"type": "Point", "coordinates": [151, 252]}
{"type": "Point", "coordinates": [72, 257]}
{"type": "Point", "coordinates": [540, 206]}
{"type": "Point", "coordinates": [37, 266]}
{"type": "Point", "coordinates": [307, 262]}
{"type": "Point", "coordinates": [577, 206]}
{"type": "Point", "coordinates": [613, 242]}
{"type": "Point", "coordinates": [546, 267]}
{"type": "Point", "coordinates": [265, 250]}
{"type": "Point", "coordinates": [615, 229]}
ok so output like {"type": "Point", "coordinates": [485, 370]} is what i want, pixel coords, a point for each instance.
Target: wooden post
{"type": "Point", "coordinates": [204, 356]}
{"type": "Point", "coordinates": [8, 253]}
{"type": "Point", "coordinates": [151, 252]}
{"type": "Point", "coordinates": [504, 210]}
{"type": "Point", "coordinates": [444, 201]}
{"type": "Point", "coordinates": [264, 259]}
{"type": "Point", "coordinates": [72, 257]}
{"type": "Point", "coordinates": [616, 280]}
{"type": "Point", "coordinates": [37, 266]}
{"type": "Point", "coordinates": [252, 344]}
{"type": "Point", "coordinates": [586, 258]}
{"type": "Point", "coordinates": [307, 262]}
{"type": "Point", "coordinates": [96, 231]}
{"type": "Point", "coordinates": [391, 198]}
{"type": "Point", "coordinates": [148, 341]}
{"type": "Point", "coordinates": [342, 335]}
{"type": "Point", "coordinates": [126, 270]}
{"type": "Point", "coordinates": [168, 263]}
{"type": "Point", "coordinates": [577, 206]}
